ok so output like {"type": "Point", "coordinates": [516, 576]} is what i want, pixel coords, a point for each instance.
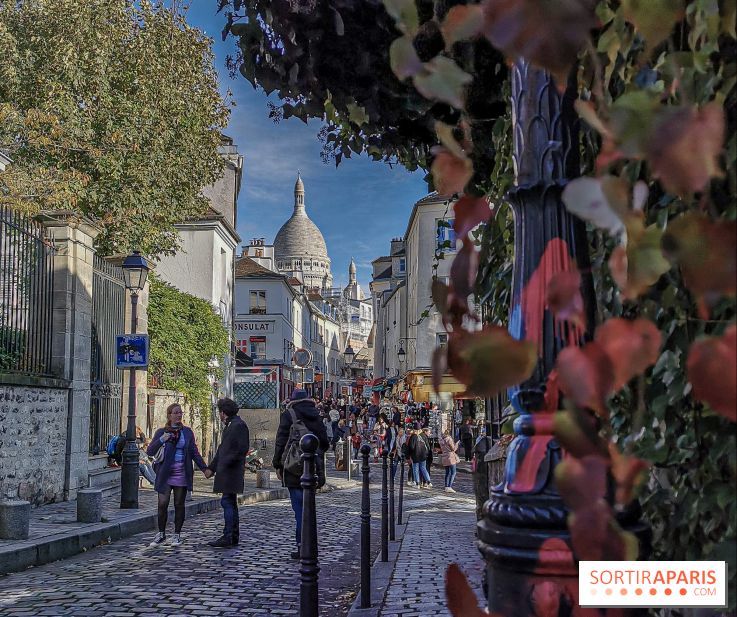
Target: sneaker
{"type": "Point", "coordinates": [410, 483]}
{"type": "Point", "coordinates": [158, 539]}
{"type": "Point", "coordinates": [428, 485]}
{"type": "Point", "coordinates": [176, 539]}
{"type": "Point", "coordinates": [449, 489]}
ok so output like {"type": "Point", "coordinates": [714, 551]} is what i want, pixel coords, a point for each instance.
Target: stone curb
{"type": "Point", "coordinates": [381, 576]}
{"type": "Point", "coordinates": [22, 555]}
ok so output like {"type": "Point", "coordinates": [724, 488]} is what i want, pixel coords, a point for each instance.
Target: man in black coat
{"type": "Point", "coordinates": [229, 467]}
{"type": "Point", "coordinates": [304, 409]}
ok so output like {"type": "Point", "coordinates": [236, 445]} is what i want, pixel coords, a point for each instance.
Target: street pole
{"type": "Point", "coordinates": [401, 489]}
{"type": "Point", "coordinates": [365, 530]}
{"type": "Point", "coordinates": [384, 509]}
{"type": "Point", "coordinates": [308, 567]}
{"type": "Point", "coordinates": [129, 471]}
{"type": "Point", "coordinates": [392, 529]}
{"type": "Point", "coordinates": [523, 534]}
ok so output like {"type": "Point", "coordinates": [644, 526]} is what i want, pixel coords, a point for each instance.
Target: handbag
{"type": "Point", "coordinates": [159, 456]}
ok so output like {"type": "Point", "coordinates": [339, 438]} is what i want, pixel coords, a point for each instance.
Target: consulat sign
{"type": "Point", "coordinates": [254, 326]}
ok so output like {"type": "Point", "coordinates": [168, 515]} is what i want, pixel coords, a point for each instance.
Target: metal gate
{"type": "Point", "coordinates": [106, 381]}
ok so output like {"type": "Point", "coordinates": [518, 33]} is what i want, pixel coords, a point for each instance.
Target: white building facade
{"type": "Point", "coordinates": [203, 265]}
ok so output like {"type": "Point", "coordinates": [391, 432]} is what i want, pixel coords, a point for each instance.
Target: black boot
{"type": "Point", "coordinates": [221, 542]}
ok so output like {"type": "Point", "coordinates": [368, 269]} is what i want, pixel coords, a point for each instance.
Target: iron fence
{"type": "Point", "coordinates": [106, 380]}
{"type": "Point", "coordinates": [26, 298]}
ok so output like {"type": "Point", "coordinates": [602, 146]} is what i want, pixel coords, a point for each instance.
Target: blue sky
{"type": "Point", "coordinates": [358, 207]}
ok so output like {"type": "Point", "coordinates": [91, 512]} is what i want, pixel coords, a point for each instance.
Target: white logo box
{"type": "Point", "coordinates": [658, 584]}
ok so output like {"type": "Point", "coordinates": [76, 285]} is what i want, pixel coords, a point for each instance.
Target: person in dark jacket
{"type": "Point", "coordinates": [228, 467]}
{"type": "Point", "coordinates": [305, 410]}
{"type": "Point", "coordinates": [417, 449]}
{"type": "Point", "coordinates": [466, 434]}
{"type": "Point", "coordinates": [174, 472]}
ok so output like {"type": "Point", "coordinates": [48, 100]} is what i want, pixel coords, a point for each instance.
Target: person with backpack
{"type": "Point", "coordinates": [299, 419]}
{"type": "Point", "coordinates": [229, 467]}
{"type": "Point", "coordinates": [174, 450]}
{"type": "Point", "coordinates": [417, 450]}
{"type": "Point", "coordinates": [115, 449]}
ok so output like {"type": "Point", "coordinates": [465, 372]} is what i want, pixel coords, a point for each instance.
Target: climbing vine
{"type": "Point", "coordinates": [188, 342]}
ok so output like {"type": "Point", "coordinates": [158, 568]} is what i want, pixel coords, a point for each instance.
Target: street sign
{"type": "Point", "coordinates": [131, 350]}
{"type": "Point", "coordinates": [302, 357]}
{"type": "Point", "coordinates": [309, 375]}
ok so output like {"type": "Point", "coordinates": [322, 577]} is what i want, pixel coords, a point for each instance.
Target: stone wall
{"type": "Point", "coordinates": [262, 424]}
{"type": "Point", "coordinates": [33, 442]}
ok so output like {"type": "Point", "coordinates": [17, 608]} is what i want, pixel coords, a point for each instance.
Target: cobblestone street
{"type": "Point", "coordinates": [257, 577]}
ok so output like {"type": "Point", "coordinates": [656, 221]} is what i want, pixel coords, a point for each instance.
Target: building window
{"type": "Point", "coordinates": [258, 302]}
{"type": "Point", "coordinates": [445, 235]}
{"type": "Point", "coordinates": [257, 347]}
{"type": "Point", "coordinates": [402, 264]}
{"type": "Point", "coordinates": [441, 339]}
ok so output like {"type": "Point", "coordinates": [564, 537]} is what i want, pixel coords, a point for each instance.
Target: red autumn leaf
{"type": "Point", "coordinates": [549, 34]}
{"type": "Point", "coordinates": [712, 372]}
{"type": "Point", "coordinates": [464, 269]}
{"type": "Point", "coordinates": [586, 376]}
{"type": "Point", "coordinates": [629, 474]}
{"type": "Point", "coordinates": [462, 601]}
{"type": "Point", "coordinates": [581, 482]}
{"type": "Point", "coordinates": [450, 173]}
{"type": "Point", "coordinates": [632, 346]}
{"type": "Point", "coordinates": [684, 147]}
{"type": "Point", "coordinates": [470, 211]}
{"type": "Point", "coordinates": [439, 366]}
{"type": "Point", "coordinates": [563, 296]}
{"type": "Point", "coordinates": [705, 250]}
{"type": "Point", "coordinates": [490, 360]}
{"type": "Point", "coordinates": [462, 22]}
{"type": "Point", "coordinates": [596, 536]}
{"type": "Point", "coordinates": [439, 293]}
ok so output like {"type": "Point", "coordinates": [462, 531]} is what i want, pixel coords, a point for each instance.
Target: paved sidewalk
{"type": "Point", "coordinates": [56, 534]}
{"type": "Point", "coordinates": [439, 530]}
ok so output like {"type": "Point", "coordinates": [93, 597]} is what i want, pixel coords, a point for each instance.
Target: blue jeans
{"type": "Point", "coordinates": [229, 502]}
{"type": "Point", "coordinates": [296, 497]}
{"type": "Point", "coordinates": [450, 475]}
{"type": "Point", "coordinates": [420, 472]}
{"type": "Point", "coordinates": [372, 421]}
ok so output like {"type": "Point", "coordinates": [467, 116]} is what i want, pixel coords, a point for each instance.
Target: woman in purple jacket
{"type": "Point", "coordinates": [174, 472]}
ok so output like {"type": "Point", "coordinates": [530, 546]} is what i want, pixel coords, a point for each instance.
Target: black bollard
{"type": "Point", "coordinates": [308, 567]}
{"type": "Point", "coordinates": [384, 509]}
{"type": "Point", "coordinates": [401, 489]}
{"type": "Point", "coordinates": [365, 530]}
{"type": "Point", "coordinates": [392, 531]}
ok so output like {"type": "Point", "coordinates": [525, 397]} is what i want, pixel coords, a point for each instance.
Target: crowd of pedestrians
{"type": "Point", "coordinates": [404, 432]}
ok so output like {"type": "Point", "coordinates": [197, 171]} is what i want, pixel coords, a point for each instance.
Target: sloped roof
{"type": "Point", "coordinates": [247, 267]}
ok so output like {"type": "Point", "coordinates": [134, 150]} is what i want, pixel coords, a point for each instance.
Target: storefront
{"type": "Point", "coordinates": [421, 389]}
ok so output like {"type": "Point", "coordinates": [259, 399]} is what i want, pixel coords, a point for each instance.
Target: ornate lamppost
{"type": "Point", "coordinates": [135, 271]}
{"type": "Point", "coordinates": [523, 533]}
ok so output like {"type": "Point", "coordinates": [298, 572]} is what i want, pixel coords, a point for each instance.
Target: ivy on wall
{"type": "Point", "coordinates": [188, 341]}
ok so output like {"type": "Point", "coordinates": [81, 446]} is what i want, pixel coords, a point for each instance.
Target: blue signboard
{"type": "Point", "coordinates": [131, 350]}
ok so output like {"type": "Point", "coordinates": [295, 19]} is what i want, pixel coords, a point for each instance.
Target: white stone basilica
{"type": "Point", "coordinates": [299, 247]}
